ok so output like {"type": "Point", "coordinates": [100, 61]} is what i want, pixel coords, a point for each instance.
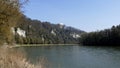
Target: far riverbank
{"type": "Point", "coordinates": [33, 45]}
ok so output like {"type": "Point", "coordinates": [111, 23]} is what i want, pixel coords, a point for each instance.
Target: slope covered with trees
{"type": "Point", "coordinates": [16, 28]}
{"type": "Point", "coordinates": [9, 15]}
{"type": "Point", "coordinates": [103, 37]}
{"type": "Point", "coordinates": [38, 32]}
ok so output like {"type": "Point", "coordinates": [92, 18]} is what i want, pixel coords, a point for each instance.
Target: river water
{"type": "Point", "coordinates": [75, 56]}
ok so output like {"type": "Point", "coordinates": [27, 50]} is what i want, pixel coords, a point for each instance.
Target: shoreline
{"type": "Point", "coordinates": [36, 45]}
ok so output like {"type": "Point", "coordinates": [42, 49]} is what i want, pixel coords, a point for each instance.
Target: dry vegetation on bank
{"type": "Point", "coordinates": [11, 58]}
{"type": "Point", "coordinates": [10, 13]}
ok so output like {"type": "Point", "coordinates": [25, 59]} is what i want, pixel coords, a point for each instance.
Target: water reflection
{"type": "Point", "coordinates": [77, 56]}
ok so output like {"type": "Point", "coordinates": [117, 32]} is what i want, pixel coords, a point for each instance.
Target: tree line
{"type": "Point", "coordinates": [107, 37]}
{"type": "Point", "coordinates": [38, 32]}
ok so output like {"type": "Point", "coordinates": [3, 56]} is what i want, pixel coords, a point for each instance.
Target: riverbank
{"type": "Point", "coordinates": [12, 58]}
{"type": "Point", "coordinates": [33, 45]}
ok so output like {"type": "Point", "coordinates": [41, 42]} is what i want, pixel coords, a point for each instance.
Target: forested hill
{"type": "Point", "coordinates": [30, 31]}
{"type": "Point", "coordinates": [107, 37]}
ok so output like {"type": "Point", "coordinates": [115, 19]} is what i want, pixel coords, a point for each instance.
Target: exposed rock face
{"type": "Point", "coordinates": [52, 32]}
{"type": "Point", "coordinates": [61, 25]}
{"type": "Point", "coordinates": [21, 32]}
{"type": "Point", "coordinates": [9, 15]}
{"type": "Point", "coordinates": [74, 35]}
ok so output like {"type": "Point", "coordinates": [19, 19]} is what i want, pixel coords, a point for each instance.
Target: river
{"type": "Point", "coordinates": [75, 56]}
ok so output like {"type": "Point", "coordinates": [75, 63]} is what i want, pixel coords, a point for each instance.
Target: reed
{"type": "Point", "coordinates": [12, 58]}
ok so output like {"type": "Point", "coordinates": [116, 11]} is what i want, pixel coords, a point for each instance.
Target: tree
{"type": "Point", "coordinates": [9, 15]}
{"type": "Point", "coordinates": [105, 37]}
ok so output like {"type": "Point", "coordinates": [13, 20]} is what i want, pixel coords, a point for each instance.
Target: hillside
{"type": "Point", "coordinates": [107, 37]}
{"type": "Point", "coordinates": [30, 31]}
{"type": "Point", "coordinates": [9, 14]}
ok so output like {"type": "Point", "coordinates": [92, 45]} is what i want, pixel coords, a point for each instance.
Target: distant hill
{"type": "Point", "coordinates": [106, 37]}
{"type": "Point", "coordinates": [30, 31]}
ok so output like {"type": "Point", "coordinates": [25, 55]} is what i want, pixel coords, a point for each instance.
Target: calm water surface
{"type": "Point", "coordinates": [76, 56]}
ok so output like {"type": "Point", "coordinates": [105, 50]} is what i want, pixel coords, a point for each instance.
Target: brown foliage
{"type": "Point", "coordinates": [11, 58]}
{"type": "Point", "coordinates": [9, 15]}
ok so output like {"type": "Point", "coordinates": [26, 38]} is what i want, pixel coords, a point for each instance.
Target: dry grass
{"type": "Point", "coordinates": [43, 62]}
{"type": "Point", "coordinates": [11, 58]}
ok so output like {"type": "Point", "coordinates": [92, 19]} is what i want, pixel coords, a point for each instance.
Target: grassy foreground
{"type": "Point", "coordinates": [11, 58]}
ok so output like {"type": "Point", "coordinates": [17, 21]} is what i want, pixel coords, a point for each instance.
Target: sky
{"type": "Point", "coordinates": [87, 15]}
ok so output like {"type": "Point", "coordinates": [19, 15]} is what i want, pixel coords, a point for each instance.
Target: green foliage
{"type": "Point", "coordinates": [38, 32]}
{"type": "Point", "coordinates": [104, 37]}
{"type": "Point", "coordinates": [9, 15]}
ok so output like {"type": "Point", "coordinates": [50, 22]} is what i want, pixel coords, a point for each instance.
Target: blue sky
{"type": "Point", "coordinates": [88, 15]}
